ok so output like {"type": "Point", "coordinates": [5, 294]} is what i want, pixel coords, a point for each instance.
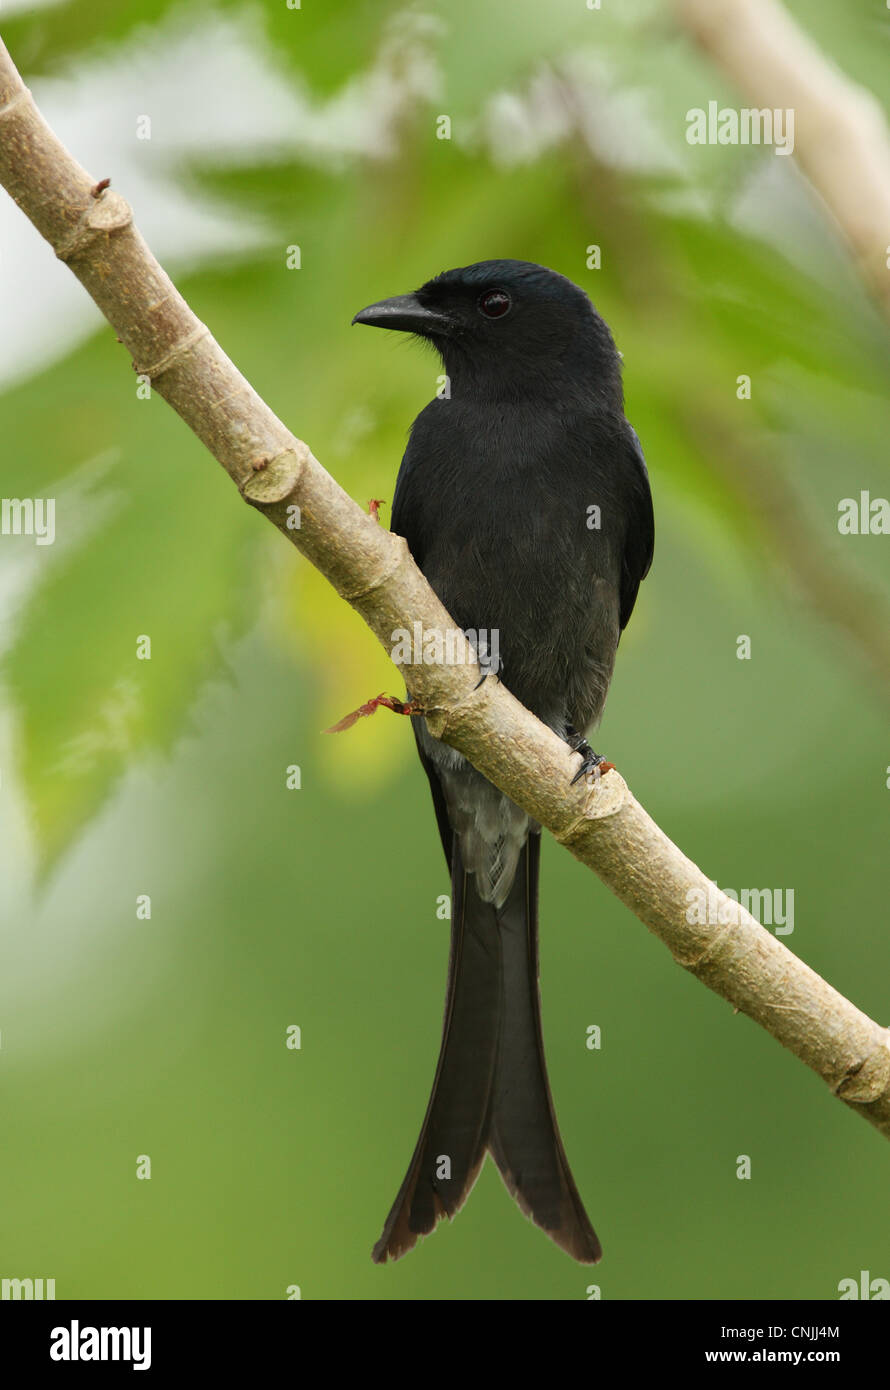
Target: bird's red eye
{"type": "Point", "coordinates": [494, 303]}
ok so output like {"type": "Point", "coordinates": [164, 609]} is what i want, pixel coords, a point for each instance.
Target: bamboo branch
{"type": "Point", "coordinates": [841, 139]}
{"type": "Point", "coordinates": [92, 229]}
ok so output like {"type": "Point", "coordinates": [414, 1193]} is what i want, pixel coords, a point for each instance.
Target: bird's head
{"type": "Point", "coordinates": [509, 329]}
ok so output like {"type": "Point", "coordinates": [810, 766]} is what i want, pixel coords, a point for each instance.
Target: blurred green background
{"type": "Point", "coordinates": [271, 1167]}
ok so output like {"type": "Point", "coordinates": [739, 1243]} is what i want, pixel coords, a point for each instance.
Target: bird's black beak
{"type": "Point", "coordinates": [405, 312]}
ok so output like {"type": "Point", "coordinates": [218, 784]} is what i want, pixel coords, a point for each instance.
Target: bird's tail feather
{"type": "Point", "coordinates": [491, 1090]}
{"type": "Point", "coordinates": [523, 1135]}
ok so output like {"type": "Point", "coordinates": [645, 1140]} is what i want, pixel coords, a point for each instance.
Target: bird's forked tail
{"type": "Point", "coordinates": [491, 1090]}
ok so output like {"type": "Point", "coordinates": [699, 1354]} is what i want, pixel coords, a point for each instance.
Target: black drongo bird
{"type": "Point", "coordinates": [524, 498]}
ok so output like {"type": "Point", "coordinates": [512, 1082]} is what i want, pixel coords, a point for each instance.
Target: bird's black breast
{"type": "Point", "coordinates": [518, 516]}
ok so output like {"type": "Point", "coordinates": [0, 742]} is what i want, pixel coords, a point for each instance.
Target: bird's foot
{"type": "Point", "coordinates": [370, 707]}
{"type": "Point", "coordinates": [593, 765]}
{"type": "Point", "coordinates": [489, 664]}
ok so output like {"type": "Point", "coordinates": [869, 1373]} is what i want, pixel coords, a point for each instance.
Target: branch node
{"type": "Point", "coordinates": [693, 963]}
{"type": "Point", "coordinates": [401, 555]}
{"type": "Point", "coordinates": [867, 1080]}
{"type": "Point", "coordinates": [439, 717]}
{"type": "Point", "coordinates": [606, 798]}
{"type": "Point", "coordinates": [22, 95]}
{"type": "Point", "coordinates": [274, 478]}
{"type": "Point", "coordinates": [101, 217]}
{"type": "Point", "coordinates": [178, 350]}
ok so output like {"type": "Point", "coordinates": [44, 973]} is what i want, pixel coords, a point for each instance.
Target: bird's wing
{"type": "Point", "coordinates": [401, 504]}
{"type": "Point", "coordinates": [639, 541]}
{"type": "Point", "coordinates": [408, 509]}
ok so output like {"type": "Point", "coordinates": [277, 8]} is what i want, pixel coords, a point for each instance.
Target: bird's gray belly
{"type": "Point", "coordinates": [561, 671]}
{"type": "Point", "coordinates": [490, 828]}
